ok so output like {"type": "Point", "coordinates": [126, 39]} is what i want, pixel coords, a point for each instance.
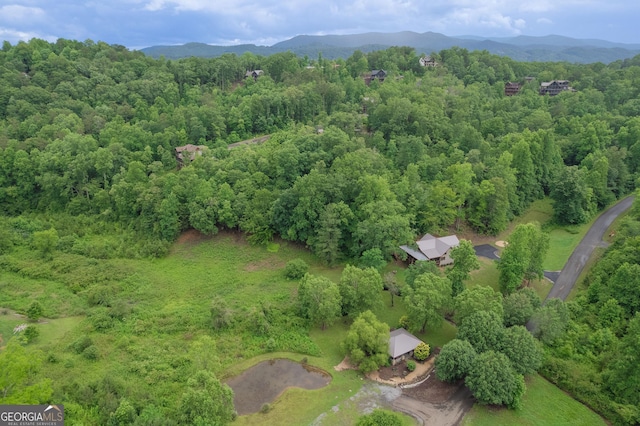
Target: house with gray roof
{"type": "Point", "coordinates": [401, 345]}
{"type": "Point", "coordinates": [433, 248]}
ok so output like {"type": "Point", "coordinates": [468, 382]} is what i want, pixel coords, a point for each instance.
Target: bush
{"type": "Point", "coordinates": [422, 352]}
{"type": "Point", "coordinates": [81, 344]}
{"type": "Point", "coordinates": [31, 333]}
{"type": "Point", "coordinates": [91, 353]}
{"type": "Point", "coordinates": [296, 269]}
{"type": "Point", "coordinates": [411, 365]}
{"type": "Point", "coordinates": [404, 322]}
{"type": "Point", "coordinates": [266, 407]}
{"type": "Point", "coordinates": [34, 312]}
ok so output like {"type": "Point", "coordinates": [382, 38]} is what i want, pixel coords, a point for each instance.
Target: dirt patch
{"type": "Point", "coordinates": [399, 374]}
{"type": "Point", "coordinates": [433, 390]}
{"type": "Point", "coordinates": [344, 365]}
{"type": "Point", "coordinates": [501, 243]}
{"type": "Point", "coordinates": [191, 237]}
{"type": "Point", "coordinates": [264, 264]}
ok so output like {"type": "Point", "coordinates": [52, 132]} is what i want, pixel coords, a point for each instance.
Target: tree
{"type": "Point", "coordinates": [475, 299]}
{"type": "Point", "coordinates": [319, 300]}
{"type": "Point", "coordinates": [372, 258]}
{"type": "Point", "coordinates": [380, 417]}
{"type": "Point", "coordinates": [45, 242]}
{"type": "Point", "coordinates": [493, 381]}
{"type": "Point", "coordinates": [391, 284]}
{"type": "Point", "coordinates": [523, 257]}
{"type": "Point", "coordinates": [464, 261]}
{"type": "Point", "coordinates": [622, 377]}
{"type": "Point", "coordinates": [360, 290]}
{"type": "Point", "coordinates": [455, 360]}
{"type": "Point", "coordinates": [573, 200]}
{"type": "Point", "coordinates": [426, 299]}
{"type": "Point", "coordinates": [206, 401]}
{"type": "Point", "coordinates": [20, 378]}
{"type": "Point", "coordinates": [522, 349]}
{"type": "Point", "coordinates": [483, 329]}
{"type": "Point", "coordinates": [519, 306]}
{"type": "Point", "coordinates": [551, 321]}
{"type": "Point", "coordinates": [367, 342]}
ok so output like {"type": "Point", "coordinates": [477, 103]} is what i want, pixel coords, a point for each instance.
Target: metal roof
{"type": "Point", "coordinates": [402, 342]}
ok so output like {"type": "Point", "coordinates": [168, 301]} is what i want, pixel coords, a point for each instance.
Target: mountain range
{"type": "Point", "coordinates": [520, 48]}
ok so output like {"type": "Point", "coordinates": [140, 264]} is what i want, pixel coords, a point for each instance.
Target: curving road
{"type": "Point", "coordinates": [593, 238]}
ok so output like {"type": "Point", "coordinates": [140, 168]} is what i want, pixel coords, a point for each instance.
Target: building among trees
{"type": "Point", "coordinates": [511, 89]}
{"type": "Point", "coordinates": [401, 345]}
{"type": "Point", "coordinates": [433, 248]}
{"type": "Point", "coordinates": [555, 87]}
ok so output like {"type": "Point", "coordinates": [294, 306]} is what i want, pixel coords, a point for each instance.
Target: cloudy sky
{"type": "Point", "coordinates": [141, 23]}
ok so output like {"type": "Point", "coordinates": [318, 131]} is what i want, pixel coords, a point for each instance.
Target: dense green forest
{"type": "Point", "coordinates": [351, 171]}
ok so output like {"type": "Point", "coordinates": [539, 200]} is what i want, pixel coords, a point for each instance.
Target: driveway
{"type": "Point", "coordinates": [593, 238]}
{"type": "Point", "coordinates": [486, 250]}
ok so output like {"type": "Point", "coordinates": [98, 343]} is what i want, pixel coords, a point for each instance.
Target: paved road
{"type": "Point", "coordinates": [571, 271]}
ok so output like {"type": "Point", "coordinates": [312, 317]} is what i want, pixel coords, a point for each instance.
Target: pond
{"type": "Point", "coordinates": [265, 381]}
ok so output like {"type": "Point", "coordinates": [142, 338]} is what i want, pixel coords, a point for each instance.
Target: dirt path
{"type": "Point", "coordinates": [447, 413]}
{"type": "Point", "coordinates": [592, 239]}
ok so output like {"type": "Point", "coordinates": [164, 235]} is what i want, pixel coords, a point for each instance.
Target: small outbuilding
{"type": "Point", "coordinates": [401, 345]}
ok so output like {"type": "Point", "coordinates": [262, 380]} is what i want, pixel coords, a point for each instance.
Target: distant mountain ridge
{"type": "Point", "coordinates": [520, 48]}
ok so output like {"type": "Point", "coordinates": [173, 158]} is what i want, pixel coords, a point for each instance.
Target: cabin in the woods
{"type": "Point", "coordinates": [511, 89]}
{"type": "Point", "coordinates": [555, 87]}
{"type": "Point", "coordinates": [253, 74]}
{"type": "Point", "coordinates": [433, 248]}
{"type": "Point", "coordinates": [401, 345]}
{"type": "Point", "coordinates": [189, 152]}
{"type": "Point", "coordinates": [428, 61]}
{"type": "Point", "coordinates": [379, 75]}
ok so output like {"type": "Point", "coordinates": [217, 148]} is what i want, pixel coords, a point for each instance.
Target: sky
{"type": "Point", "coordinates": [142, 23]}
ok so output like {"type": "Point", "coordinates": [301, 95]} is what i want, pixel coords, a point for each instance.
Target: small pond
{"type": "Point", "coordinates": [263, 383]}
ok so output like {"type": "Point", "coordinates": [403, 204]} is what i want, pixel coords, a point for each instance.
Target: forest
{"type": "Point", "coordinates": [351, 170]}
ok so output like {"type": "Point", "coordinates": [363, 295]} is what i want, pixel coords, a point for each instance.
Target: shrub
{"type": "Point", "coordinates": [31, 333]}
{"type": "Point", "coordinates": [422, 352]}
{"type": "Point", "coordinates": [295, 269]}
{"type": "Point", "coordinates": [266, 407]}
{"type": "Point", "coordinates": [411, 365]}
{"type": "Point", "coordinates": [91, 353]}
{"type": "Point", "coordinates": [81, 344]}
{"type": "Point", "coordinates": [404, 322]}
{"type": "Point", "coordinates": [34, 312]}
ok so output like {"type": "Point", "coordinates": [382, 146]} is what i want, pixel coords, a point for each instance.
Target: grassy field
{"type": "Point", "coordinates": [163, 308]}
{"type": "Point", "coordinates": [543, 404]}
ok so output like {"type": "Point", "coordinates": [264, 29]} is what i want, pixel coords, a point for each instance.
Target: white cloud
{"type": "Point", "coordinates": [17, 13]}
{"type": "Point", "coordinates": [544, 21]}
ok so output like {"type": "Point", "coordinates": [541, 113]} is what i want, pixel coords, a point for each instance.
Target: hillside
{"type": "Point", "coordinates": [522, 48]}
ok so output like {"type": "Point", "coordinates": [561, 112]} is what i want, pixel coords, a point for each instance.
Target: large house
{"type": "Point", "coordinates": [379, 75]}
{"type": "Point", "coordinates": [401, 345]}
{"type": "Point", "coordinates": [428, 61]}
{"type": "Point", "coordinates": [511, 89]}
{"type": "Point", "coordinates": [433, 248]}
{"type": "Point", "coordinates": [555, 87]}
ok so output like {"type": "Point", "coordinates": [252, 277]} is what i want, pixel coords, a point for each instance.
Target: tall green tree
{"type": "Point", "coordinates": [455, 360]}
{"type": "Point", "coordinates": [475, 299]}
{"type": "Point", "coordinates": [483, 329]}
{"type": "Point", "coordinates": [319, 299]}
{"type": "Point", "coordinates": [426, 299]}
{"type": "Point", "coordinates": [493, 381]}
{"type": "Point", "coordinates": [522, 349]}
{"type": "Point", "coordinates": [464, 261]}
{"type": "Point", "coordinates": [367, 342]}
{"type": "Point", "coordinates": [360, 290]}
{"type": "Point", "coordinates": [206, 401]}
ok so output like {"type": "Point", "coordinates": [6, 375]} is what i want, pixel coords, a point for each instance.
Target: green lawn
{"type": "Point", "coordinates": [543, 404]}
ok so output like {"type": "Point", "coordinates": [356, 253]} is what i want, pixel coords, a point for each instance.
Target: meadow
{"type": "Point", "coordinates": [150, 320]}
